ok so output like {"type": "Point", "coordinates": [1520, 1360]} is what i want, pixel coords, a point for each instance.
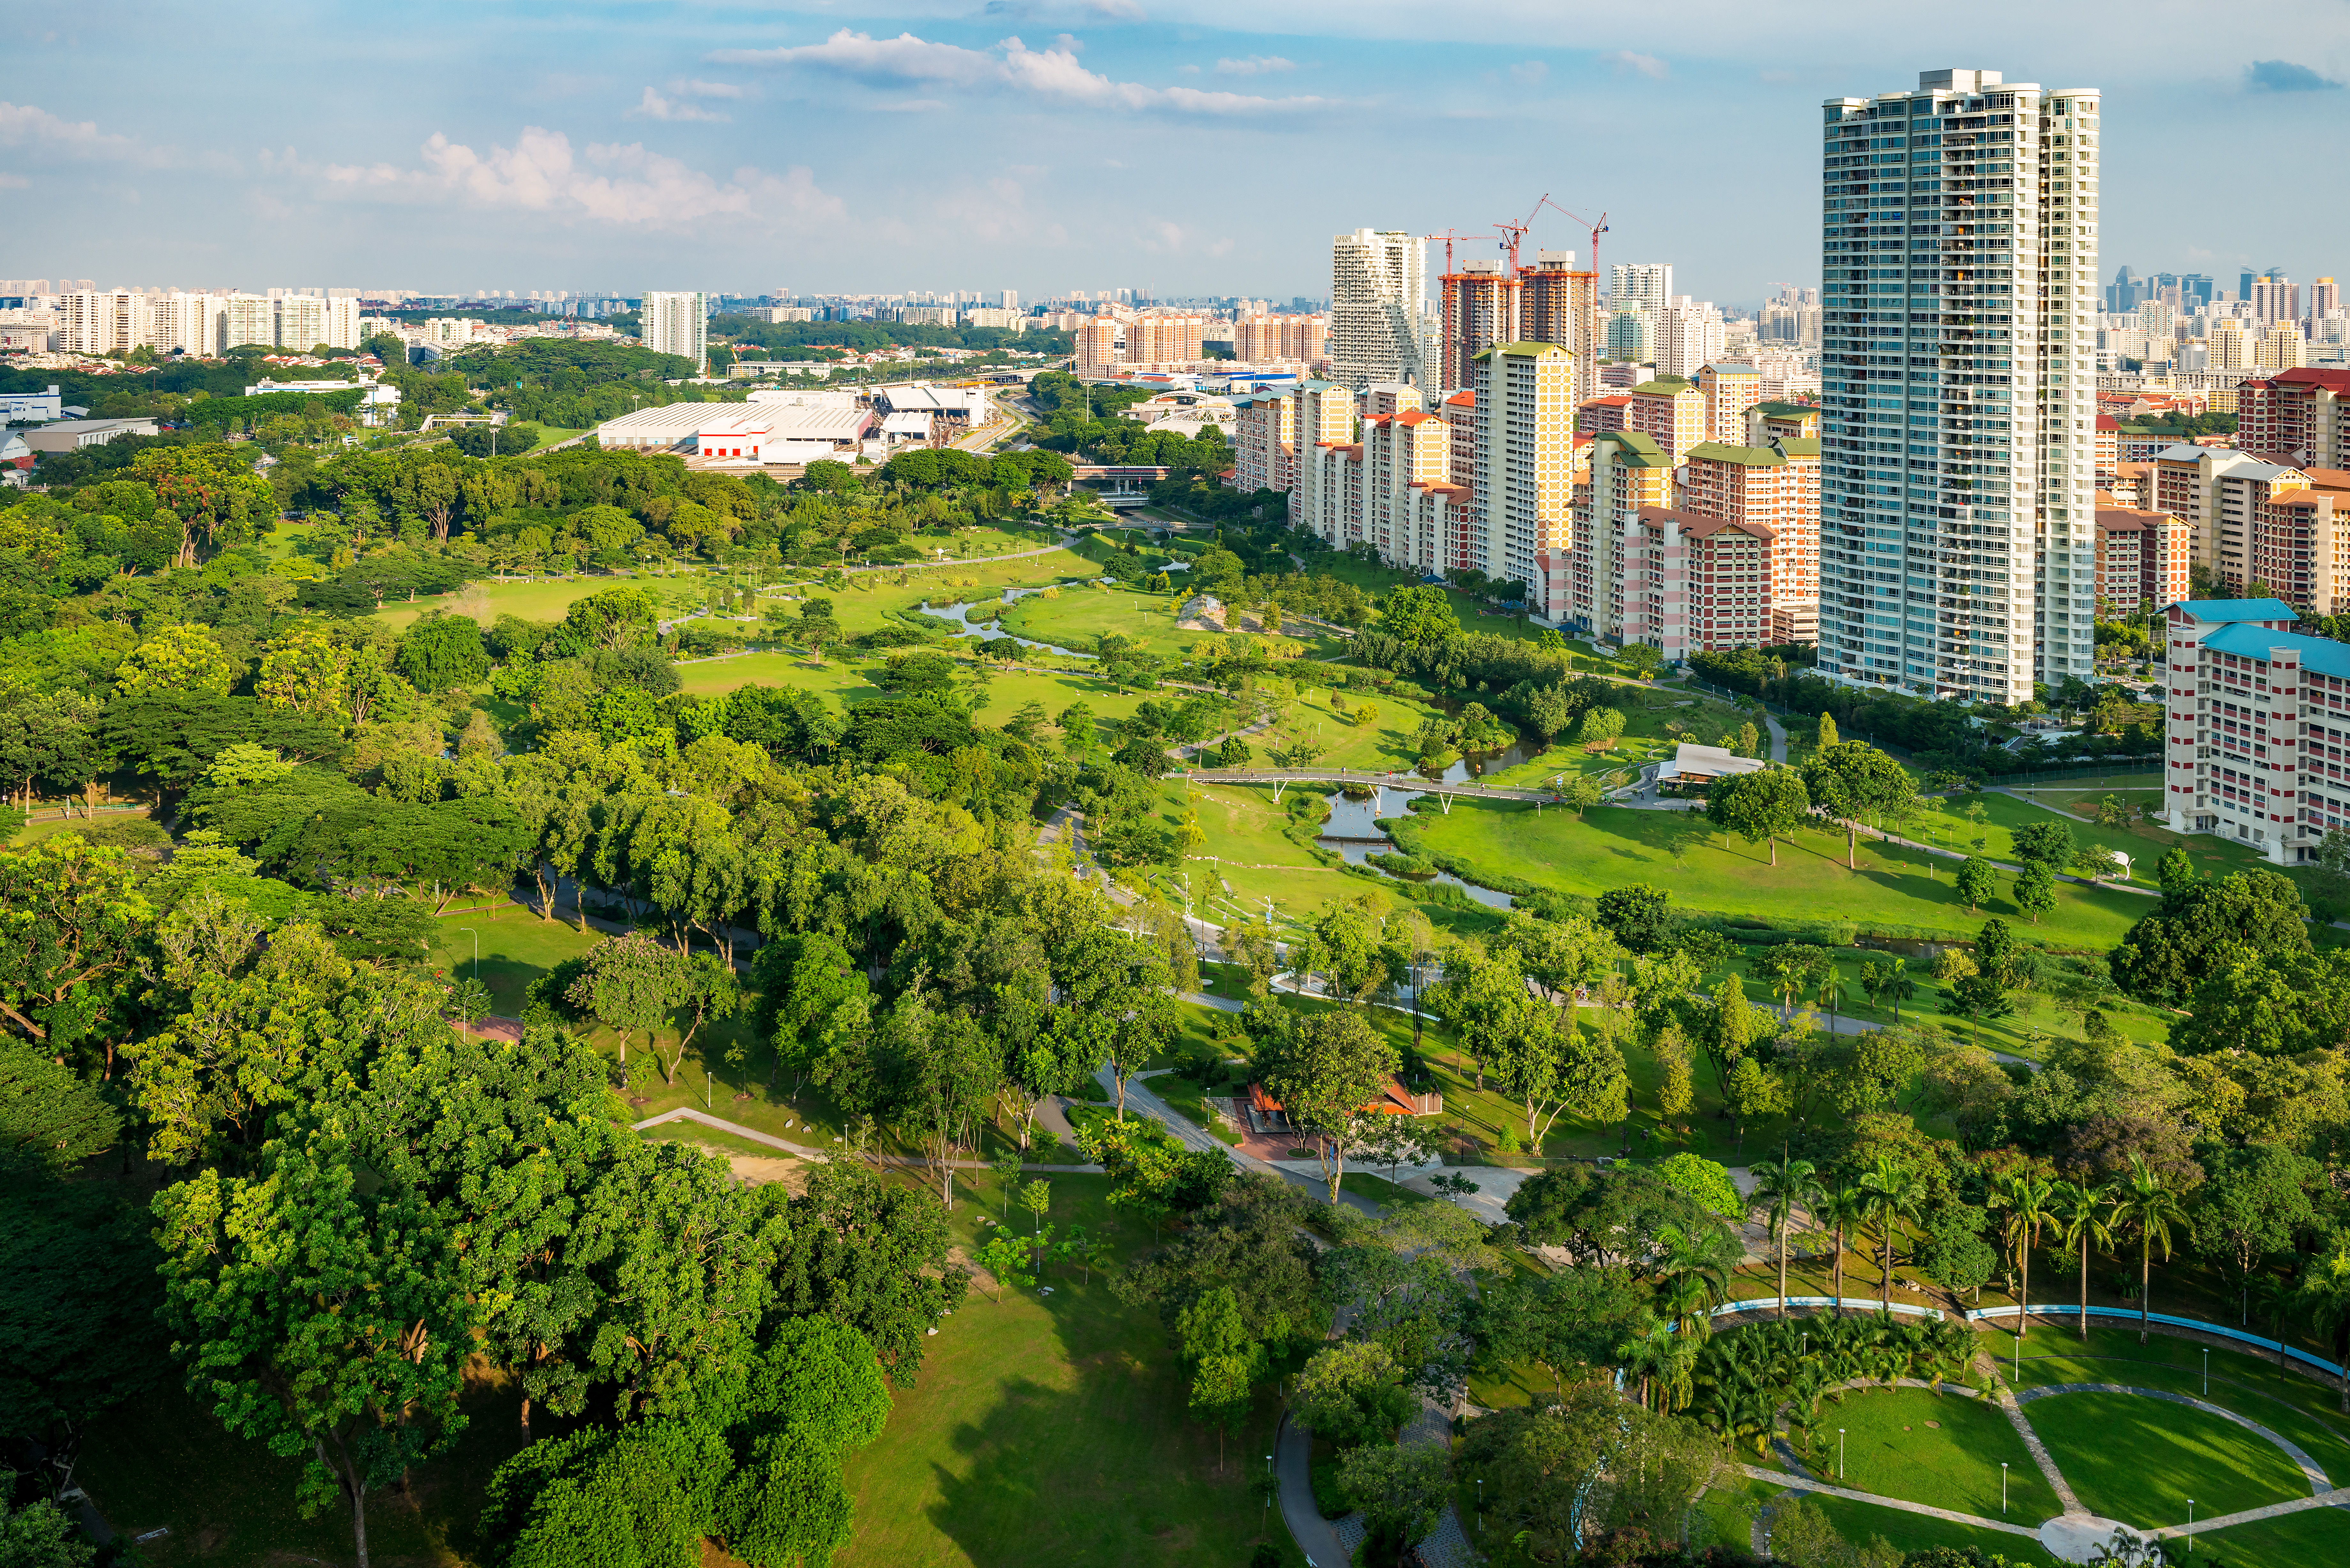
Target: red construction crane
{"type": "Point", "coordinates": [1448, 237]}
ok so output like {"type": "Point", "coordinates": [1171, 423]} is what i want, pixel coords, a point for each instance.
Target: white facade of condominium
{"type": "Point", "coordinates": [1959, 241]}
{"type": "Point", "coordinates": [1378, 288]}
{"type": "Point", "coordinates": [677, 324]}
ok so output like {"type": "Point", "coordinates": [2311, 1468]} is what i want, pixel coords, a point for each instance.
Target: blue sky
{"type": "Point", "coordinates": [1190, 146]}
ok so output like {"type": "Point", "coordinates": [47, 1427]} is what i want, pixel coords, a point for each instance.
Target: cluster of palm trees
{"type": "Point", "coordinates": [1750, 1374]}
{"type": "Point", "coordinates": [2144, 1205]}
{"type": "Point", "coordinates": [1689, 1272]}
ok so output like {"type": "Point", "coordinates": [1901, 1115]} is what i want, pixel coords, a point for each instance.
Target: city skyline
{"type": "Point", "coordinates": [1098, 146]}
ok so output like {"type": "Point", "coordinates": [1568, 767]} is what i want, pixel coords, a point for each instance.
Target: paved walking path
{"type": "Point", "coordinates": [2014, 1411]}
{"type": "Point", "coordinates": [1802, 1487]}
{"type": "Point", "coordinates": [800, 1151]}
{"type": "Point", "coordinates": [2337, 1498]}
{"type": "Point", "coordinates": [2310, 1469]}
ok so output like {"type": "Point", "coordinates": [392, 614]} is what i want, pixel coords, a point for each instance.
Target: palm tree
{"type": "Point", "coordinates": [1872, 980]}
{"type": "Point", "coordinates": [1899, 985]}
{"type": "Point", "coordinates": [1690, 1277]}
{"type": "Point", "coordinates": [1648, 1352]}
{"type": "Point", "coordinates": [1781, 1186]}
{"type": "Point", "coordinates": [1890, 1193]}
{"type": "Point", "coordinates": [2080, 1219]}
{"type": "Point", "coordinates": [2325, 1295]}
{"type": "Point", "coordinates": [2025, 1196]}
{"type": "Point", "coordinates": [2277, 1295]}
{"type": "Point", "coordinates": [1832, 988]}
{"type": "Point", "coordinates": [1846, 1208]}
{"type": "Point", "coordinates": [2145, 1202]}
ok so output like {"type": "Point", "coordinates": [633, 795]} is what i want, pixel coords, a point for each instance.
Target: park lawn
{"type": "Point", "coordinates": [516, 947]}
{"type": "Point", "coordinates": [1389, 742]}
{"type": "Point", "coordinates": [2213, 856]}
{"type": "Point", "coordinates": [1725, 1514]}
{"type": "Point", "coordinates": [2026, 1032]}
{"type": "Point", "coordinates": [2289, 1540]}
{"type": "Point", "coordinates": [1610, 847]}
{"type": "Point", "coordinates": [1860, 1522]}
{"type": "Point", "coordinates": [2139, 1460]}
{"type": "Point", "coordinates": [1891, 1450]}
{"type": "Point", "coordinates": [164, 1461]}
{"type": "Point", "coordinates": [873, 598]}
{"type": "Point", "coordinates": [1053, 1430]}
{"type": "Point", "coordinates": [1709, 721]}
{"type": "Point", "coordinates": [1080, 617]}
{"type": "Point", "coordinates": [2254, 1386]}
{"type": "Point", "coordinates": [838, 677]}
{"type": "Point", "coordinates": [536, 598]}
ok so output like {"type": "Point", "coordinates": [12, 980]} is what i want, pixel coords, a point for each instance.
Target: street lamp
{"type": "Point", "coordinates": [2207, 1372]}
{"type": "Point", "coordinates": [2190, 1526]}
{"type": "Point", "coordinates": [2003, 1488]}
{"type": "Point", "coordinates": [469, 931]}
{"type": "Point", "coordinates": [1839, 1453]}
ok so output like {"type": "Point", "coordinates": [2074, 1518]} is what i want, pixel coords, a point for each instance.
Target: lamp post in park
{"type": "Point", "coordinates": [2207, 1372]}
{"type": "Point", "coordinates": [1839, 1453]}
{"type": "Point", "coordinates": [2190, 1526]}
{"type": "Point", "coordinates": [2003, 1488]}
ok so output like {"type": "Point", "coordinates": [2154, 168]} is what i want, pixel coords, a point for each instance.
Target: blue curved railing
{"type": "Point", "coordinates": [2197, 1324]}
{"type": "Point", "coordinates": [1858, 1303]}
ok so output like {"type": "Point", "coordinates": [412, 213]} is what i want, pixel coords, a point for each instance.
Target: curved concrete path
{"type": "Point", "coordinates": [2310, 1470]}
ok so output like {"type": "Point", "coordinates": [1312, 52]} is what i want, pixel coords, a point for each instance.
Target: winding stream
{"type": "Point", "coordinates": [960, 613]}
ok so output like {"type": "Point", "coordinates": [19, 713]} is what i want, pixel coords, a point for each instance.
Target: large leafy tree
{"type": "Point", "coordinates": [873, 1256]}
{"type": "Point", "coordinates": [328, 1324]}
{"type": "Point", "coordinates": [442, 653]}
{"type": "Point", "coordinates": [1848, 780]}
{"type": "Point", "coordinates": [71, 921]}
{"type": "Point", "coordinates": [1760, 807]}
{"type": "Point", "coordinates": [2203, 928]}
{"type": "Point", "coordinates": [630, 983]}
{"type": "Point", "coordinates": [1332, 1065]}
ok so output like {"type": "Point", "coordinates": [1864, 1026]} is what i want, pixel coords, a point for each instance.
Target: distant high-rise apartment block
{"type": "Point", "coordinates": [1959, 244]}
{"type": "Point", "coordinates": [1524, 484]}
{"type": "Point", "coordinates": [1646, 285]}
{"type": "Point", "coordinates": [1262, 339]}
{"type": "Point", "coordinates": [1559, 305]}
{"type": "Point", "coordinates": [1480, 310]}
{"type": "Point", "coordinates": [678, 324]}
{"type": "Point", "coordinates": [1378, 288]}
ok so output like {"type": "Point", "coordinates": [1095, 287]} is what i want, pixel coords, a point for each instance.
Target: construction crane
{"type": "Point", "coordinates": [1448, 237]}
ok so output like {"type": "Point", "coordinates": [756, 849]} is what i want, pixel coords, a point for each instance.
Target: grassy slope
{"type": "Point", "coordinates": [2293, 1406]}
{"type": "Point", "coordinates": [1051, 1429]}
{"type": "Point", "coordinates": [2139, 1460]}
{"type": "Point", "coordinates": [1891, 1450]}
{"type": "Point", "coordinates": [1609, 846]}
{"type": "Point", "coordinates": [1861, 1522]}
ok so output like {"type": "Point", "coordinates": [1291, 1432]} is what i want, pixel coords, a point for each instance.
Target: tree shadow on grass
{"type": "Point", "coordinates": [1104, 1467]}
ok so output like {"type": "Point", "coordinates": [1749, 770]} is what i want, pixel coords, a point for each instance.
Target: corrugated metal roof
{"type": "Point", "coordinates": [2240, 609]}
{"type": "Point", "coordinates": [2322, 654]}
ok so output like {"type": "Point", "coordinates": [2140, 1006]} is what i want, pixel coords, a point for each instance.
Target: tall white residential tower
{"type": "Point", "coordinates": [1378, 288]}
{"type": "Point", "coordinates": [677, 324]}
{"type": "Point", "coordinates": [1959, 241]}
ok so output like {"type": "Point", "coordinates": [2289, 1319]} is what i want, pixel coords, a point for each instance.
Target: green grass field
{"type": "Point", "coordinates": [2296, 1408]}
{"type": "Point", "coordinates": [1053, 1430]}
{"type": "Point", "coordinates": [516, 947]}
{"type": "Point", "coordinates": [1861, 1522]}
{"type": "Point", "coordinates": [2144, 844]}
{"type": "Point", "coordinates": [164, 1462]}
{"type": "Point", "coordinates": [1706, 869]}
{"type": "Point", "coordinates": [1890, 1449]}
{"type": "Point", "coordinates": [2293, 1541]}
{"type": "Point", "coordinates": [2139, 1460]}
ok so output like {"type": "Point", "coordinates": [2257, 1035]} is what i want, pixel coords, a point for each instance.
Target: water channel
{"type": "Point", "coordinates": [960, 613]}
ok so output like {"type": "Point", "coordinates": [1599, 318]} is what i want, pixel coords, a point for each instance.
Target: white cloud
{"type": "Point", "coordinates": [619, 185]}
{"type": "Point", "coordinates": [1530, 73]}
{"type": "Point", "coordinates": [709, 89]}
{"type": "Point", "coordinates": [1627, 63]}
{"type": "Point", "coordinates": [653, 106]}
{"type": "Point", "coordinates": [1255, 66]}
{"type": "Point", "coordinates": [26, 125]}
{"type": "Point", "coordinates": [1053, 73]}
